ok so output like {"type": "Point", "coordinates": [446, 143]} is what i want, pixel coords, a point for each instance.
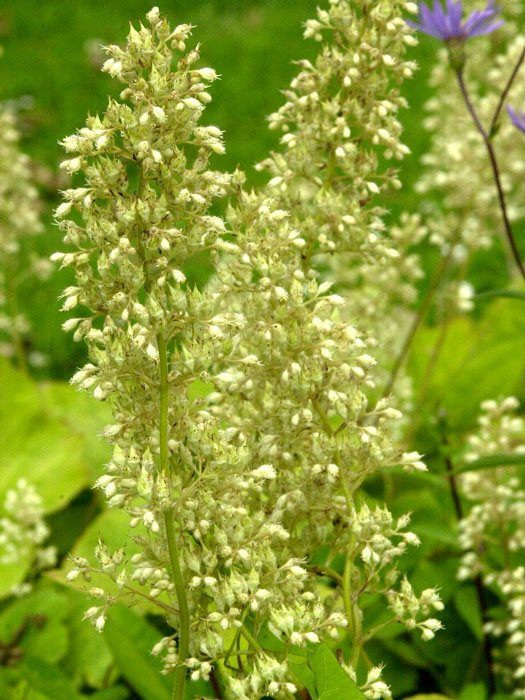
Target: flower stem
{"type": "Point", "coordinates": [504, 94]}
{"type": "Point", "coordinates": [178, 580]}
{"type": "Point", "coordinates": [495, 169]}
{"type": "Point", "coordinates": [351, 607]}
{"type": "Point", "coordinates": [250, 639]}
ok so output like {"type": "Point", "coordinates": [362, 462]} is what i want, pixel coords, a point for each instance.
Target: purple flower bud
{"type": "Point", "coordinates": [445, 22]}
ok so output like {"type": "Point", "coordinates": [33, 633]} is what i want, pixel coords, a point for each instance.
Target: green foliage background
{"type": "Point", "coordinates": [49, 432]}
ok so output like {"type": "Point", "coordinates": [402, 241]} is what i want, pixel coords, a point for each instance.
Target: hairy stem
{"type": "Point", "coordinates": [178, 580]}
{"type": "Point", "coordinates": [495, 169]}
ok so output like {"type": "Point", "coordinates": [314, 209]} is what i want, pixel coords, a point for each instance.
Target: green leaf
{"type": "Point", "coordinates": [464, 374]}
{"type": "Point", "coordinates": [198, 689]}
{"type": "Point", "coordinates": [434, 530]}
{"type": "Point", "coordinates": [406, 652]}
{"type": "Point", "coordinates": [84, 417]}
{"type": "Point", "coordinates": [47, 679]}
{"type": "Point", "coordinates": [467, 605]}
{"type": "Point", "coordinates": [131, 639]}
{"type": "Point", "coordinates": [335, 694]}
{"type": "Point", "coordinates": [49, 643]}
{"type": "Point", "coordinates": [491, 462]}
{"type": "Point", "coordinates": [50, 433]}
{"type": "Point", "coordinates": [38, 620]}
{"type": "Point", "coordinates": [118, 692]}
{"type": "Point", "coordinates": [42, 443]}
{"type": "Point", "coordinates": [425, 478]}
{"type": "Point", "coordinates": [270, 642]}
{"type": "Point", "coordinates": [440, 574]}
{"type": "Point", "coordinates": [330, 678]}
{"type": "Point", "coordinates": [305, 676]}
{"type": "Point", "coordinates": [474, 691]}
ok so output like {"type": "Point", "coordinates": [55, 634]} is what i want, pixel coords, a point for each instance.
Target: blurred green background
{"type": "Point", "coordinates": [50, 70]}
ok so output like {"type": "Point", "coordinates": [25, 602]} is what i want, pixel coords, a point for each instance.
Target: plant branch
{"type": "Point", "coordinates": [504, 94]}
{"type": "Point", "coordinates": [327, 572]}
{"type": "Point", "coordinates": [495, 169]}
{"type": "Point", "coordinates": [250, 639]}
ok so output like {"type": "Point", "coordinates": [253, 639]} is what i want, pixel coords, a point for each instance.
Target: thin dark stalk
{"type": "Point", "coordinates": [215, 684]}
{"type": "Point", "coordinates": [454, 491]}
{"type": "Point", "coordinates": [478, 581]}
{"type": "Point", "coordinates": [495, 169]}
{"type": "Point", "coordinates": [505, 93]}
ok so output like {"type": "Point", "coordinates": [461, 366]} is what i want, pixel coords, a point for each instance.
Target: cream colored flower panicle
{"type": "Point", "coordinates": [19, 218]}
{"type": "Point", "coordinates": [23, 532]}
{"type": "Point", "coordinates": [295, 394]}
{"type": "Point", "coordinates": [229, 494]}
{"type": "Point", "coordinates": [341, 114]}
{"type": "Point", "coordinates": [144, 204]}
{"type": "Point", "coordinates": [340, 148]}
{"type": "Point", "coordinates": [211, 560]}
{"type": "Point", "coordinates": [492, 534]}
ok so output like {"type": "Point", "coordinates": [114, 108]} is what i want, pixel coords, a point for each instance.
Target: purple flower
{"type": "Point", "coordinates": [445, 22]}
{"type": "Point", "coordinates": [517, 118]}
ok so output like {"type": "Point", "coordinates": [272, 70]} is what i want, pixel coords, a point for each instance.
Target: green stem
{"type": "Point", "coordinates": [235, 638]}
{"type": "Point", "coordinates": [351, 607]}
{"type": "Point", "coordinates": [178, 580]}
{"type": "Point", "coordinates": [328, 572]}
{"type": "Point", "coordinates": [251, 639]}
{"type": "Point", "coordinates": [324, 418]}
{"type": "Point", "coordinates": [355, 628]}
{"type": "Point", "coordinates": [347, 595]}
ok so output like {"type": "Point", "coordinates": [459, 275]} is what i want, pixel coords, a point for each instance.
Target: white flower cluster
{"type": "Point", "coordinates": [374, 688]}
{"type": "Point", "coordinates": [23, 532]}
{"type": "Point", "coordinates": [19, 219]}
{"type": "Point", "coordinates": [336, 159]}
{"type": "Point", "coordinates": [295, 394]}
{"type": "Point", "coordinates": [211, 559]}
{"type": "Point", "coordinates": [408, 607]}
{"type": "Point", "coordinates": [492, 534]}
{"type": "Point", "coordinates": [330, 169]}
{"type": "Point", "coordinates": [230, 494]}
